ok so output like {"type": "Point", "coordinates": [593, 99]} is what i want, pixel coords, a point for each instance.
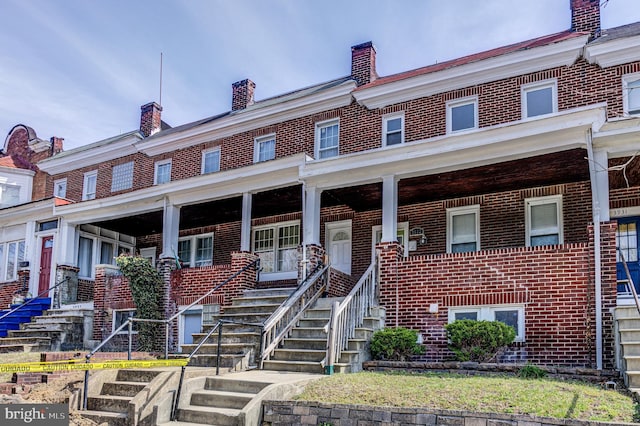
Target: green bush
{"type": "Point", "coordinates": [530, 371]}
{"type": "Point", "coordinates": [478, 341]}
{"type": "Point", "coordinates": [395, 344]}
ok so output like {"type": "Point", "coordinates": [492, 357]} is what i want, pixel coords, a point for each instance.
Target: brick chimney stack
{"type": "Point", "coordinates": [363, 63]}
{"type": "Point", "coordinates": [150, 122]}
{"type": "Point", "coordinates": [56, 145]}
{"type": "Point", "coordinates": [585, 16]}
{"type": "Point", "coordinates": [243, 92]}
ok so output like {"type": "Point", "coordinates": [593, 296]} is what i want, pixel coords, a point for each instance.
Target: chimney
{"type": "Point", "coordinates": [56, 145]}
{"type": "Point", "coordinates": [585, 16]}
{"type": "Point", "coordinates": [242, 94]}
{"type": "Point", "coordinates": [363, 63]}
{"type": "Point", "coordinates": [150, 122]}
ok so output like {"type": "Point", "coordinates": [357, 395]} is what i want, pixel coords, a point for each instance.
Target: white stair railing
{"type": "Point", "coordinates": [348, 315]}
{"type": "Point", "coordinates": [279, 324]}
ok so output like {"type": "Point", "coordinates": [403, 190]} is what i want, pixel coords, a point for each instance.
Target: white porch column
{"type": "Point", "coordinates": [600, 176]}
{"type": "Point", "coordinates": [245, 230]}
{"type": "Point", "coordinates": [311, 212]}
{"type": "Point", "coordinates": [389, 208]}
{"type": "Point", "coordinates": [170, 229]}
{"type": "Point", "coordinates": [30, 253]}
{"type": "Point", "coordinates": [64, 244]}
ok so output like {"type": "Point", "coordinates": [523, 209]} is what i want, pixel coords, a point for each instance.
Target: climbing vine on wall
{"type": "Point", "coordinates": [146, 288]}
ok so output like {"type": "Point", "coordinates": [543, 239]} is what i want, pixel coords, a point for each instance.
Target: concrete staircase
{"type": "Point", "coordinates": [112, 404]}
{"type": "Point", "coordinates": [240, 342]}
{"type": "Point", "coordinates": [628, 325]}
{"type": "Point", "coordinates": [304, 350]}
{"type": "Point", "coordinates": [56, 330]}
{"type": "Point", "coordinates": [31, 308]}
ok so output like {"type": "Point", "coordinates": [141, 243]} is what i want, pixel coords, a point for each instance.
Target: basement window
{"type": "Point", "coordinates": [512, 315]}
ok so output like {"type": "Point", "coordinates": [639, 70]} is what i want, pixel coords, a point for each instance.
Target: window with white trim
{"type": "Point", "coordinates": [543, 221]}
{"type": "Point", "coordinates": [9, 195]}
{"type": "Point", "coordinates": [89, 185]}
{"type": "Point", "coordinates": [60, 188]}
{"type": "Point", "coordinates": [328, 139]}
{"type": "Point", "coordinates": [162, 172]}
{"type": "Point", "coordinates": [277, 246]}
{"type": "Point", "coordinates": [631, 94]}
{"type": "Point", "coordinates": [402, 233]}
{"type": "Point", "coordinates": [11, 254]}
{"type": "Point", "coordinates": [512, 315]}
{"type": "Point", "coordinates": [539, 98]}
{"type": "Point", "coordinates": [196, 250]}
{"type": "Point", "coordinates": [119, 318]}
{"type": "Point", "coordinates": [100, 246]}
{"type": "Point", "coordinates": [393, 129]}
{"type": "Point", "coordinates": [463, 229]}
{"type": "Point", "coordinates": [122, 177]}
{"type": "Point", "coordinates": [211, 160]}
{"type": "Point", "coordinates": [462, 114]}
{"type": "Point", "coordinates": [264, 148]}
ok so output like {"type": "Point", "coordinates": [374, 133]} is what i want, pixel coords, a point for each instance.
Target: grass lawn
{"type": "Point", "coordinates": [503, 394]}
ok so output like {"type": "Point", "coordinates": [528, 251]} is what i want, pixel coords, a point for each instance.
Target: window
{"type": "Point", "coordinates": [277, 247]}
{"type": "Point", "coordinates": [60, 188]}
{"type": "Point", "coordinates": [463, 229]}
{"type": "Point", "coordinates": [9, 195]}
{"type": "Point", "coordinates": [631, 94]}
{"type": "Point", "coordinates": [196, 250]}
{"type": "Point", "coordinates": [100, 246]}
{"type": "Point", "coordinates": [539, 98]}
{"type": "Point", "coordinates": [543, 219]}
{"type": "Point", "coordinates": [162, 172]}
{"type": "Point", "coordinates": [120, 317]}
{"type": "Point", "coordinates": [512, 315]}
{"type": "Point", "coordinates": [462, 114]}
{"type": "Point", "coordinates": [48, 225]}
{"type": "Point", "coordinates": [393, 129]}
{"type": "Point", "coordinates": [627, 242]}
{"type": "Point", "coordinates": [327, 139]}
{"type": "Point", "coordinates": [265, 148]}
{"type": "Point", "coordinates": [211, 160]}
{"type": "Point", "coordinates": [11, 254]}
{"type": "Point", "coordinates": [89, 185]}
{"type": "Point", "coordinates": [122, 177]}
{"type": "Point", "coordinates": [402, 233]}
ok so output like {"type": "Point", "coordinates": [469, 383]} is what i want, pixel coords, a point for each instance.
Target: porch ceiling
{"type": "Point", "coordinates": [549, 169]}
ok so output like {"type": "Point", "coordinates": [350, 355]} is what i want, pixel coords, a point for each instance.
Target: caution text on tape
{"type": "Point", "coordinates": [79, 365]}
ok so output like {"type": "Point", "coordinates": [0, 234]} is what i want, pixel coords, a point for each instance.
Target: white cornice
{"type": "Point", "coordinates": [562, 131]}
{"type": "Point", "coordinates": [250, 119]}
{"type": "Point", "coordinates": [93, 155]}
{"type": "Point", "coordinates": [615, 52]}
{"type": "Point", "coordinates": [23, 213]}
{"type": "Point", "coordinates": [521, 62]}
{"type": "Point", "coordinates": [16, 171]}
{"type": "Point", "coordinates": [198, 189]}
{"type": "Point", "coordinates": [619, 138]}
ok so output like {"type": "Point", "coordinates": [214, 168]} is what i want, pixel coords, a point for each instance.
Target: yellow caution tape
{"type": "Point", "coordinates": [80, 365]}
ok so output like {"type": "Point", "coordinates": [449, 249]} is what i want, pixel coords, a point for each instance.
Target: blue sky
{"type": "Point", "coordinates": [81, 69]}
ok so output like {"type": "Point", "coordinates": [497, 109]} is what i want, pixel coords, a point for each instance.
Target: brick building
{"type": "Point", "coordinates": [478, 181]}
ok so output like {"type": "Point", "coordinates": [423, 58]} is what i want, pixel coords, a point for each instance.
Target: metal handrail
{"type": "Point", "coordinates": [33, 298]}
{"type": "Point", "coordinates": [630, 282]}
{"type": "Point", "coordinates": [279, 324]}
{"type": "Point", "coordinates": [129, 324]}
{"type": "Point", "coordinates": [349, 314]}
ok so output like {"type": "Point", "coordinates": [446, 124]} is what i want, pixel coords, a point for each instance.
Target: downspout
{"type": "Point", "coordinates": [595, 206]}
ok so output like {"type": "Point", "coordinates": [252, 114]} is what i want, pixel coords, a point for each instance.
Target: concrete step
{"type": "Point", "coordinates": [633, 377]}
{"type": "Point", "coordinates": [225, 348]}
{"type": "Point", "coordinates": [240, 318]}
{"type": "Point", "coordinates": [227, 361]}
{"type": "Point", "coordinates": [250, 308]}
{"type": "Point", "coordinates": [114, 404]}
{"type": "Point", "coordinates": [318, 313]}
{"type": "Point", "coordinates": [327, 302]}
{"type": "Point", "coordinates": [221, 399]}
{"type": "Point", "coordinates": [284, 354]}
{"type": "Point", "coordinates": [629, 323]}
{"type": "Point", "coordinates": [209, 415]}
{"type": "Point", "coordinates": [105, 417]}
{"type": "Point", "coordinates": [313, 322]}
{"type": "Point", "coordinates": [122, 388]}
{"type": "Point", "coordinates": [308, 333]}
{"type": "Point", "coordinates": [283, 292]}
{"type": "Point", "coordinates": [139, 376]}
{"type": "Point", "coordinates": [234, 385]}
{"type": "Point", "coordinates": [626, 312]}
{"type": "Point", "coordinates": [234, 328]}
{"type": "Point", "coordinates": [229, 337]}
{"type": "Point", "coordinates": [23, 348]}
{"type": "Point", "coordinates": [306, 343]}
{"type": "Point", "coordinates": [631, 348]}
{"type": "Point", "coordinates": [295, 366]}
{"type": "Point", "coordinates": [629, 335]}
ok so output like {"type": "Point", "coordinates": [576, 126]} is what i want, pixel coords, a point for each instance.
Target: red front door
{"type": "Point", "coordinates": [45, 264]}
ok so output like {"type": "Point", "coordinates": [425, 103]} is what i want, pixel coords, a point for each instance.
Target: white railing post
{"type": "Point", "coordinates": [332, 339]}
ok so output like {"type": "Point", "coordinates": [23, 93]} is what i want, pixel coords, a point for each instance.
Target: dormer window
{"type": "Point", "coordinates": [539, 98]}
{"type": "Point", "coordinates": [462, 114]}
